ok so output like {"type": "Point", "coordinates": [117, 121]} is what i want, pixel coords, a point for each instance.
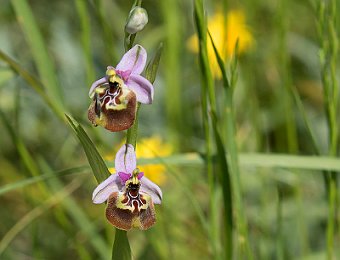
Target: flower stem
{"type": "Point", "coordinates": [121, 239]}
{"type": "Point", "coordinates": [132, 132]}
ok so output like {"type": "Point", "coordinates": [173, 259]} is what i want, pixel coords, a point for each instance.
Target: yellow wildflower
{"type": "Point", "coordinates": [225, 35]}
{"type": "Point", "coordinates": [150, 148]}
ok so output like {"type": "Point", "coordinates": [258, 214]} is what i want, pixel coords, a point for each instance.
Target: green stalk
{"type": "Point", "coordinates": [85, 24]}
{"type": "Point", "coordinates": [286, 93]}
{"type": "Point", "coordinates": [121, 247]}
{"type": "Point", "coordinates": [174, 86]}
{"type": "Point", "coordinates": [38, 47]}
{"type": "Point", "coordinates": [121, 239]}
{"type": "Point", "coordinates": [279, 235]}
{"type": "Point", "coordinates": [328, 59]}
{"type": "Point", "coordinates": [209, 109]}
{"type": "Point", "coordinates": [233, 166]}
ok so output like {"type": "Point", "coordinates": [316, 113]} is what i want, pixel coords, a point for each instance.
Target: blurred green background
{"type": "Point", "coordinates": [51, 52]}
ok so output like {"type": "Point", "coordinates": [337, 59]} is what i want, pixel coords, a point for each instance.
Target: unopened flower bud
{"type": "Point", "coordinates": [137, 19]}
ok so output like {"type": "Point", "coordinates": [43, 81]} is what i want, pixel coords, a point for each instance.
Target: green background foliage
{"type": "Point", "coordinates": [256, 154]}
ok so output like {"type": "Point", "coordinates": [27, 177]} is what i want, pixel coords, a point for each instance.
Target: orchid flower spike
{"type": "Point", "coordinates": [115, 96]}
{"type": "Point", "coordinates": [129, 194]}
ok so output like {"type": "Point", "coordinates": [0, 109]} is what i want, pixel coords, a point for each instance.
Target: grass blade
{"type": "Point", "coordinates": [152, 67]}
{"type": "Point", "coordinates": [97, 163]}
{"type": "Point", "coordinates": [35, 213]}
{"type": "Point", "coordinates": [208, 92]}
{"type": "Point", "coordinates": [121, 247]}
{"type": "Point", "coordinates": [233, 165]}
{"type": "Point", "coordinates": [23, 183]}
{"type": "Point", "coordinates": [38, 47]}
{"type": "Point", "coordinates": [33, 83]}
{"type": "Point", "coordinates": [85, 24]}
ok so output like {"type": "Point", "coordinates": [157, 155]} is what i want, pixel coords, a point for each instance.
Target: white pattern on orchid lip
{"type": "Point", "coordinates": [129, 69]}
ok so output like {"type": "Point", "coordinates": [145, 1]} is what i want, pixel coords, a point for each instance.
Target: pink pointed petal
{"type": "Point", "coordinates": [140, 175]}
{"type": "Point", "coordinates": [152, 189]}
{"type": "Point", "coordinates": [124, 176]}
{"type": "Point", "coordinates": [142, 88]}
{"type": "Point", "coordinates": [96, 84]}
{"type": "Point", "coordinates": [130, 159]}
{"type": "Point", "coordinates": [134, 60]}
{"type": "Point", "coordinates": [103, 190]}
{"type": "Point", "coordinates": [125, 159]}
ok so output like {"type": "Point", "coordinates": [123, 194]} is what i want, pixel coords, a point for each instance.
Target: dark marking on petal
{"type": "Point", "coordinates": [97, 105]}
{"type": "Point", "coordinates": [114, 120]}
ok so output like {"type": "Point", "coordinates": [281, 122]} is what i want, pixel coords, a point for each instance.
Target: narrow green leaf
{"type": "Point", "coordinates": [151, 69]}
{"type": "Point", "coordinates": [28, 181]}
{"type": "Point", "coordinates": [233, 163]}
{"type": "Point", "coordinates": [286, 161]}
{"type": "Point", "coordinates": [85, 24]}
{"type": "Point", "coordinates": [38, 47]}
{"type": "Point", "coordinates": [100, 7]}
{"type": "Point", "coordinates": [208, 90]}
{"type": "Point", "coordinates": [71, 206]}
{"type": "Point", "coordinates": [121, 248]}
{"type": "Point", "coordinates": [20, 146]}
{"type": "Point", "coordinates": [97, 163]}
{"type": "Point", "coordinates": [53, 200]}
{"type": "Point", "coordinates": [220, 63]}
{"type": "Point", "coordinates": [33, 83]}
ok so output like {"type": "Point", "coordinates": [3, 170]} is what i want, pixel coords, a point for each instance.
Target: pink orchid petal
{"type": "Point", "coordinates": [152, 189]}
{"type": "Point", "coordinates": [134, 60]}
{"type": "Point", "coordinates": [140, 175]}
{"type": "Point", "coordinates": [142, 88]}
{"type": "Point", "coordinates": [104, 189]}
{"type": "Point", "coordinates": [124, 176]}
{"type": "Point", "coordinates": [125, 159]}
{"type": "Point", "coordinates": [96, 84]}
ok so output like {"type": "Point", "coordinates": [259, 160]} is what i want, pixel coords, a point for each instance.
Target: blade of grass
{"type": "Point", "coordinates": [312, 163]}
{"type": "Point", "coordinates": [77, 214]}
{"type": "Point", "coordinates": [85, 30]}
{"type": "Point", "coordinates": [208, 90]}
{"type": "Point", "coordinates": [38, 48]}
{"type": "Point", "coordinates": [152, 67]}
{"type": "Point", "coordinates": [80, 218]}
{"type": "Point", "coordinates": [121, 247]}
{"type": "Point", "coordinates": [232, 156]}
{"type": "Point", "coordinates": [172, 53]}
{"type": "Point", "coordinates": [108, 37]}
{"type": "Point", "coordinates": [28, 181]}
{"type": "Point", "coordinates": [54, 199]}
{"type": "Point", "coordinates": [213, 234]}
{"type": "Point", "coordinates": [96, 162]}
{"type": "Point", "coordinates": [328, 38]}
{"type": "Point", "coordinates": [34, 83]}
{"type": "Point", "coordinates": [20, 146]}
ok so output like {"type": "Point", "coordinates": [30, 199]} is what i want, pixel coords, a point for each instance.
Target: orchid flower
{"type": "Point", "coordinates": [129, 194]}
{"type": "Point", "coordinates": [115, 96]}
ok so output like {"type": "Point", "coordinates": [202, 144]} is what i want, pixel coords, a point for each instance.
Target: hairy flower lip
{"type": "Point", "coordinates": [114, 117]}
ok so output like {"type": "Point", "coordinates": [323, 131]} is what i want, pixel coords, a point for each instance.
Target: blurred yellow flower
{"type": "Point", "coordinates": [225, 34]}
{"type": "Point", "coordinates": [150, 148]}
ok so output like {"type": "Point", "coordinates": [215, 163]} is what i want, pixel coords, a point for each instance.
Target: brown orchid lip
{"type": "Point", "coordinates": [126, 219]}
{"type": "Point", "coordinates": [111, 119]}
